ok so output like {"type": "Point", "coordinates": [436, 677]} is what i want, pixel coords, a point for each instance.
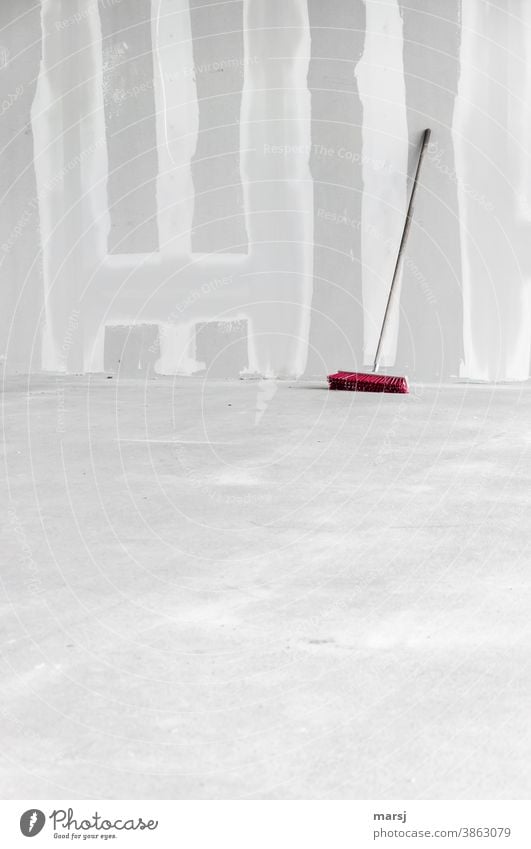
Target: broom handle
{"type": "Point", "coordinates": [407, 225]}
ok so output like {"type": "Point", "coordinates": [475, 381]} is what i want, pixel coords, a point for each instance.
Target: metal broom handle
{"type": "Point", "coordinates": [407, 225]}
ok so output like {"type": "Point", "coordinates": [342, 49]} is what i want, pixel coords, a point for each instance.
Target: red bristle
{"type": "Point", "coordinates": [359, 382]}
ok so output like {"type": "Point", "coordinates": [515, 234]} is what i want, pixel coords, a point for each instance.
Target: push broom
{"type": "Point", "coordinates": [374, 382]}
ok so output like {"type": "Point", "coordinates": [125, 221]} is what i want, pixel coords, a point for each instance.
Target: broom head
{"type": "Point", "coordinates": [356, 381]}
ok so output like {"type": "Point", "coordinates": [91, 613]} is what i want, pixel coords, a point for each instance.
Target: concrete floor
{"type": "Point", "coordinates": [261, 590]}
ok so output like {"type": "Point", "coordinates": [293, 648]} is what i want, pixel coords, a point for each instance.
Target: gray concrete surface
{"type": "Point", "coordinates": [264, 590]}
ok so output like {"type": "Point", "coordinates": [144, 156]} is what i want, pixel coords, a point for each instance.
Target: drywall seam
{"type": "Point", "coordinates": [490, 165]}
{"type": "Point", "coordinates": [380, 76]}
{"type": "Point", "coordinates": [278, 191]}
{"type": "Point", "coordinates": [70, 161]}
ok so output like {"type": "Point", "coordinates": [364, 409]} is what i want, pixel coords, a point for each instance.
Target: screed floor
{"type": "Point", "coordinates": [264, 590]}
